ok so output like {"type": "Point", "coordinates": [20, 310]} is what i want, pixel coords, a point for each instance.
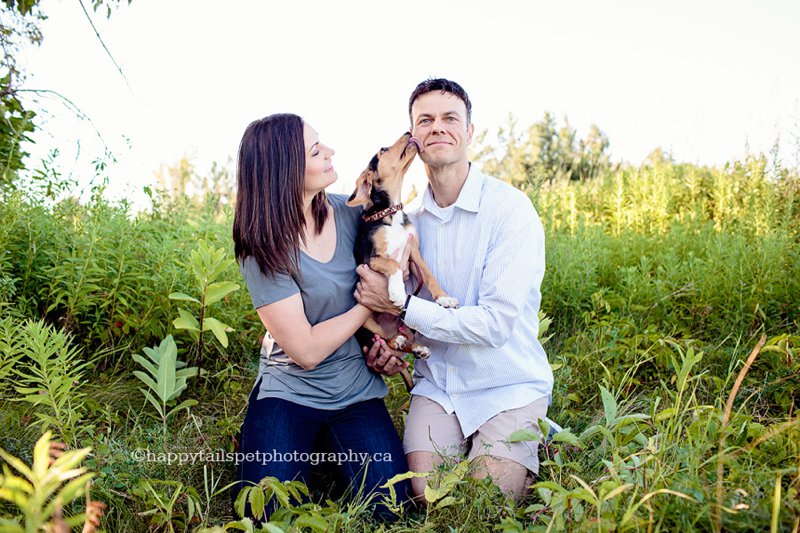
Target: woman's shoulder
{"type": "Point", "coordinates": [339, 203]}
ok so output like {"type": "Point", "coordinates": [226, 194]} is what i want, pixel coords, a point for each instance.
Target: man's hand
{"type": "Point", "coordinates": [373, 291]}
{"type": "Point", "coordinates": [383, 359]}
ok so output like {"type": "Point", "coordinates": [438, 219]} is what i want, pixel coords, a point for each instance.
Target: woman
{"type": "Point", "coordinates": [314, 396]}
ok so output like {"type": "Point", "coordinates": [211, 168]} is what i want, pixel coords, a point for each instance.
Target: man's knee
{"type": "Point", "coordinates": [421, 462]}
{"type": "Point", "coordinates": [512, 478]}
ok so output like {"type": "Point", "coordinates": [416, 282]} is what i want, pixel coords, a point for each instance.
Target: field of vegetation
{"type": "Point", "coordinates": [672, 303]}
{"type": "Point", "coordinates": [671, 317]}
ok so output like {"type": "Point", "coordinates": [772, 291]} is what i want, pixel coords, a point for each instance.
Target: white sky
{"type": "Point", "coordinates": [697, 78]}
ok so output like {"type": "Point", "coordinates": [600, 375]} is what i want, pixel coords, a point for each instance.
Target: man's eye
{"type": "Point", "coordinates": [424, 121]}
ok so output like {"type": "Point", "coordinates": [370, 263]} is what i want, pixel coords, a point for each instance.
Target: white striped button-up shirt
{"type": "Point", "coordinates": [486, 250]}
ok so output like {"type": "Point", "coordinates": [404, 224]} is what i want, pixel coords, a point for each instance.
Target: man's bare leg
{"type": "Point", "coordinates": [421, 462]}
{"type": "Point", "coordinates": [512, 478]}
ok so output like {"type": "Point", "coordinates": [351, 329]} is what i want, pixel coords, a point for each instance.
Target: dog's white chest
{"type": "Point", "coordinates": [397, 236]}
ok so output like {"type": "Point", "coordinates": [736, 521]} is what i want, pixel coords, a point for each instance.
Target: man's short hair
{"type": "Point", "coordinates": [445, 86]}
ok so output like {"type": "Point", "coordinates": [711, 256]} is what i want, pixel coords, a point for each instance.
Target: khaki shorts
{"type": "Point", "coordinates": [430, 429]}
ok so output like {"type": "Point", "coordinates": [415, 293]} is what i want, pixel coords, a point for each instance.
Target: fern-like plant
{"type": "Point", "coordinates": [50, 377]}
{"type": "Point", "coordinates": [165, 379]}
{"type": "Point", "coordinates": [9, 351]}
{"type": "Point", "coordinates": [42, 490]}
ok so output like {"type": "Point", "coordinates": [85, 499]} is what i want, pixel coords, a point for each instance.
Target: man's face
{"type": "Point", "coordinates": [439, 121]}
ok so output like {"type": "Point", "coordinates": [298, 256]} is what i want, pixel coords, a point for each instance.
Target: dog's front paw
{"type": "Point", "coordinates": [447, 301]}
{"type": "Point", "coordinates": [421, 352]}
{"type": "Point", "coordinates": [400, 342]}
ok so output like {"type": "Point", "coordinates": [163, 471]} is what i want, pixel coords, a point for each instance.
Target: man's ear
{"type": "Point", "coordinates": [470, 130]}
{"type": "Point", "coordinates": [363, 189]}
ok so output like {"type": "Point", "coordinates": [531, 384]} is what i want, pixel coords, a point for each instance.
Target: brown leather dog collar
{"type": "Point", "coordinates": [391, 210]}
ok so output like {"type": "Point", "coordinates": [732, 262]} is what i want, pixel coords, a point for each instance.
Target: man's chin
{"type": "Point", "coordinates": [435, 160]}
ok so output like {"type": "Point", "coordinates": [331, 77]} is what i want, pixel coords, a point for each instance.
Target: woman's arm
{"type": "Point", "coordinates": [305, 344]}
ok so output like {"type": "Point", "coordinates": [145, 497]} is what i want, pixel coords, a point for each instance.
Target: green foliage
{"type": "Point", "coordinates": [41, 491]}
{"type": "Point", "coordinates": [20, 24]}
{"type": "Point", "coordinates": [164, 501]}
{"type": "Point", "coordinates": [10, 352]}
{"type": "Point", "coordinates": [546, 154]}
{"type": "Point", "coordinates": [659, 280]}
{"type": "Point", "coordinates": [165, 378]}
{"type": "Point", "coordinates": [293, 511]}
{"type": "Point", "coordinates": [49, 374]}
{"type": "Point", "coordinates": [104, 274]}
{"type": "Point", "coordinates": [207, 264]}
{"type": "Point", "coordinates": [16, 124]}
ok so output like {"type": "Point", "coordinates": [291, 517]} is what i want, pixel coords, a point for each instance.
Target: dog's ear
{"type": "Point", "coordinates": [363, 189]}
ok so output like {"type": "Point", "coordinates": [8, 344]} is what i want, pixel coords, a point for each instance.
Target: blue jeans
{"type": "Point", "coordinates": [359, 442]}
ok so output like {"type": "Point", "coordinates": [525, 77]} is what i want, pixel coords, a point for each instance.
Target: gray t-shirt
{"type": "Point", "coordinates": [343, 378]}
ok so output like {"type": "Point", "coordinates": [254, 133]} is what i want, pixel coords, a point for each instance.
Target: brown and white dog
{"type": "Point", "coordinates": [383, 235]}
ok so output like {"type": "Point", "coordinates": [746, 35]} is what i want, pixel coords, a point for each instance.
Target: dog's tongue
{"type": "Point", "coordinates": [417, 142]}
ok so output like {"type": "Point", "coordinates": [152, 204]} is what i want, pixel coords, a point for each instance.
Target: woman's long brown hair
{"type": "Point", "coordinates": [268, 221]}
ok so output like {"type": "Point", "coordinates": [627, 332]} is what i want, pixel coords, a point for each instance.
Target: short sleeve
{"type": "Point", "coordinates": [264, 289]}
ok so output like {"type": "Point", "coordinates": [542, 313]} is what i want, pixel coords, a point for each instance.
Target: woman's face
{"type": "Point", "coordinates": [319, 168]}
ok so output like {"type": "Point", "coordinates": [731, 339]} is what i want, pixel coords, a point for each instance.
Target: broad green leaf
{"type": "Point", "coordinates": [145, 363]}
{"type": "Point", "coordinates": [218, 328]}
{"type": "Point", "coordinates": [186, 321]}
{"type": "Point", "coordinates": [241, 501]}
{"type": "Point", "coordinates": [525, 434]}
{"type": "Point", "coordinates": [257, 501]}
{"type": "Point", "coordinates": [316, 523]}
{"type": "Point", "coordinates": [551, 485]}
{"type": "Point", "coordinates": [609, 405]}
{"type": "Point", "coordinates": [159, 407]}
{"type": "Point", "coordinates": [448, 500]}
{"type": "Point", "coordinates": [166, 369]}
{"type": "Point", "coordinates": [217, 291]}
{"type": "Point", "coordinates": [147, 380]}
{"type": "Point", "coordinates": [183, 297]}
{"type": "Point", "coordinates": [186, 372]}
{"type": "Point", "coordinates": [567, 437]}
{"type": "Point", "coordinates": [183, 405]}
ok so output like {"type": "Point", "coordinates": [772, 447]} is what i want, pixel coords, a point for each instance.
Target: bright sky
{"type": "Point", "coordinates": [698, 78]}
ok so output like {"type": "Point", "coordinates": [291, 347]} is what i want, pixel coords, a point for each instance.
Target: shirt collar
{"type": "Point", "coordinates": [469, 199]}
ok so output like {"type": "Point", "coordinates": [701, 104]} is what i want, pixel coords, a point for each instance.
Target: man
{"type": "Point", "coordinates": [487, 375]}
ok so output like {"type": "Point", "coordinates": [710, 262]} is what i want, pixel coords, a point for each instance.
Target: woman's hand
{"type": "Point", "coordinates": [383, 359]}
